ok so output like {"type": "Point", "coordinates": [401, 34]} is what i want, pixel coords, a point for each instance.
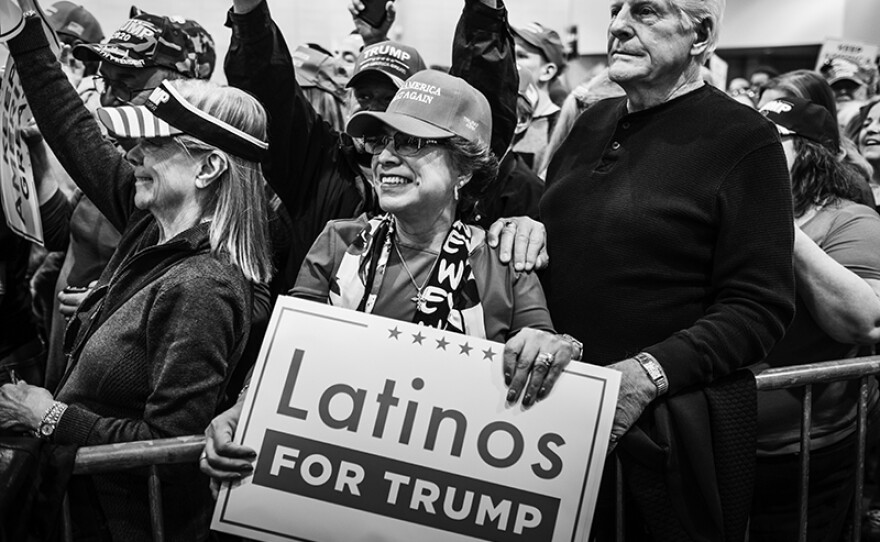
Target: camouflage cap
{"type": "Point", "coordinates": [147, 40]}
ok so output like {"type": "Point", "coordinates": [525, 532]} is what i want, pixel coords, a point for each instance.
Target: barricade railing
{"type": "Point", "coordinates": [807, 376]}
{"type": "Point", "coordinates": [153, 453]}
{"type": "Point", "coordinates": [130, 455]}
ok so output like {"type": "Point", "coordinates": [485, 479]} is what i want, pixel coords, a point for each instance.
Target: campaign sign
{"type": "Point", "coordinates": [373, 429]}
{"type": "Point", "coordinates": [862, 55]}
{"type": "Point", "coordinates": [17, 190]}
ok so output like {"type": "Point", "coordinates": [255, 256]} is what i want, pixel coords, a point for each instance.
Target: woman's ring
{"type": "Point", "coordinates": [544, 358]}
{"type": "Point", "coordinates": [509, 223]}
{"type": "Point", "coordinates": [203, 456]}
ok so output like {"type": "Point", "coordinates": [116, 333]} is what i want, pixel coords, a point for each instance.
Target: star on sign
{"type": "Point", "coordinates": [418, 338]}
{"type": "Point", "coordinates": [465, 349]}
{"type": "Point", "coordinates": [394, 333]}
{"type": "Point", "coordinates": [489, 354]}
{"type": "Point", "coordinates": [442, 344]}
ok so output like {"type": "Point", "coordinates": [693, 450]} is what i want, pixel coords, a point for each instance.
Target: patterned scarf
{"type": "Point", "coordinates": [452, 301]}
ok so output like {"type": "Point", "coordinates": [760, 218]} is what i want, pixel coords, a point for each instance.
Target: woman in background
{"type": "Point", "coordinates": [837, 266]}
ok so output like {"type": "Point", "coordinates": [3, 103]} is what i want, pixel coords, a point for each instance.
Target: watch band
{"type": "Point", "coordinates": [654, 371]}
{"type": "Point", "coordinates": [50, 420]}
{"type": "Point", "coordinates": [578, 346]}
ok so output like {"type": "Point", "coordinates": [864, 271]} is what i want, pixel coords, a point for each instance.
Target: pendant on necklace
{"type": "Point", "coordinates": [420, 300]}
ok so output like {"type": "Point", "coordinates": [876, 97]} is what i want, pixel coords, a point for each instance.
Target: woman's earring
{"type": "Point", "coordinates": [455, 191]}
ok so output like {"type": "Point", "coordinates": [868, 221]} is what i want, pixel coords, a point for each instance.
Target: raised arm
{"type": "Point", "coordinates": [301, 144]}
{"type": "Point", "coordinates": [483, 55]}
{"type": "Point", "coordinates": [94, 163]}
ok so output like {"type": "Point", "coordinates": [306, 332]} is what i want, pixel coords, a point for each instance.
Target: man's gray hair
{"type": "Point", "coordinates": [695, 12]}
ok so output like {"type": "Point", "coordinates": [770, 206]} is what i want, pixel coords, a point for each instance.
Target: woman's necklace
{"type": "Point", "coordinates": [420, 300]}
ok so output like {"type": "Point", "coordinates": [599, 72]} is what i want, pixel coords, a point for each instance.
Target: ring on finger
{"type": "Point", "coordinates": [509, 223]}
{"type": "Point", "coordinates": [545, 358]}
{"type": "Point", "coordinates": [203, 456]}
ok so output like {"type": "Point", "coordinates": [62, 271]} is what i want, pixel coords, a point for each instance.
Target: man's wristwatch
{"type": "Point", "coordinates": [50, 420]}
{"type": "Point", "coordinates": [654, 370]}
{"type": "Point", "coordinates": [578, 346]}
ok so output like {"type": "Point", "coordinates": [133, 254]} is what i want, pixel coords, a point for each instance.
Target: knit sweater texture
{"type": "Point", "coordinates": [154, 343]}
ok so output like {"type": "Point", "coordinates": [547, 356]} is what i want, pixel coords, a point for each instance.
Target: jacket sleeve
{"type": "Point", "coordinates": [752, 277]}
{"type": "Point", "coordinates": [301, 144]}
{"type": "Point", "coordinates": [55, 215]}
{"type": "Point", "coordinates": [200, 325]}
{"type": "Point", "coordinates": [93, 162]}
{"type": "Point", "coordinates": [483, 55]}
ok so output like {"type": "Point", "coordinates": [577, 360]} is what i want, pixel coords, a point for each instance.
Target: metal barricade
{"type": "Point", "coordinates": [151, 454]}
{"type": "Point", "coordinates": [129, 455]}
{"type": "Point", "coordinates": [807, 376]}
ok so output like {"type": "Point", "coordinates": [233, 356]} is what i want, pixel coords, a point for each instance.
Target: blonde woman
{"type": "Point", "coordinates": [151, 348]}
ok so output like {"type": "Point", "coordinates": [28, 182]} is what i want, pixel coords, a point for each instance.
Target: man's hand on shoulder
{"type": "Point", "coordinates": [522, 240]}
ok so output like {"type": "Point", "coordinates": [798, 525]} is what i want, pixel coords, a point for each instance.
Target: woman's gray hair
{"type": "Point", "coordinates": [700, 12]}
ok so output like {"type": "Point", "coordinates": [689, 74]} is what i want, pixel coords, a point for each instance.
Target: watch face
{"type": "Point", "coordinates": [46, 429]}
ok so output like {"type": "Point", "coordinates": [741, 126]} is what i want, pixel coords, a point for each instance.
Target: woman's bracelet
{"type": "Point", "coordinates": [243, 391]}
{"type": "Point", "coordinates": [576, 344]}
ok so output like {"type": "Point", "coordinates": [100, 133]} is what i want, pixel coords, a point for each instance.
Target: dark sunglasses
{"type": "Point", "coordinates": [404, 144]}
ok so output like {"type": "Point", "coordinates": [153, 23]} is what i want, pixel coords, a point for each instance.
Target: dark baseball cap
{"type": "Point", "coordinates": [74, 21]}
{"type": "Point", "coordinates": [545, 40]}
{"type": "Point", "coordinates": [796, 116]}
{"type": "Point", "coordinates": [146, 41]}
{"type": "Point", "coordinates": [431, 104]}
{"type": "Point", "coordinates": [395, 60]}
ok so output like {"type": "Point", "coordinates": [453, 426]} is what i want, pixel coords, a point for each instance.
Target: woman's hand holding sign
{"type": "Point", "coordinates": [222, 459]}
{"type": "Point", "coordinates": [533, 360]}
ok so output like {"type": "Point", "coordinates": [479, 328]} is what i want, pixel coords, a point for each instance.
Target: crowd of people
{"type": "Point", "coordinates": [646, 221]}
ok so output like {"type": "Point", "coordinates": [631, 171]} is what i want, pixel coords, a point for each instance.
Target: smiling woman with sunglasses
{"type": "Point", "coordinates": [421, 261]}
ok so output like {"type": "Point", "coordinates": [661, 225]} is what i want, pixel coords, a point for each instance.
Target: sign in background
{"type": "Point", "coordinates": [861, 56]}
{"type": "Point", "coordinates": [18, 194]}
{"type": "Point", "coordinates": [20, 203]}
{"type": "Point", "coordinates": [374, 429]}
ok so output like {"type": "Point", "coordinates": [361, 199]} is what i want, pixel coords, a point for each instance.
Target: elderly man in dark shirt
{"type": "Point", "coordinates": [670, 224]}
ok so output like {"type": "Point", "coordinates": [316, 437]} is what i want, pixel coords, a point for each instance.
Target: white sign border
{"type": "Point", "coordinates": [598, 450]}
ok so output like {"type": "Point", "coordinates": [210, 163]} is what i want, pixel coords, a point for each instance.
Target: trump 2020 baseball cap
{"type": "Point", "coordinates": [431, 104]}
{"type": "Point", "coordinates": [147, 40]}
{"type": "Point", "coordinates": [796, 116]}
{"type": "Point", "coordinates": [395, 60]}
